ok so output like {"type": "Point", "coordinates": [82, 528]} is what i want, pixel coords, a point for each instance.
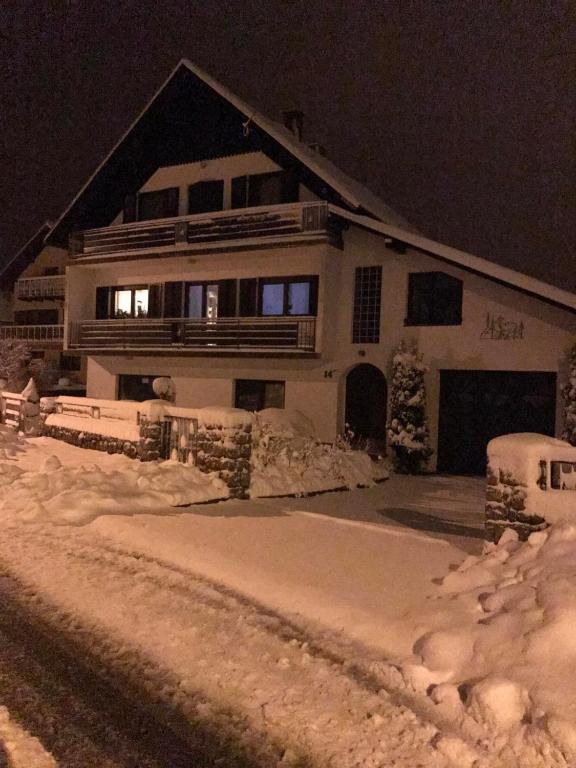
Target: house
{"type": "Point", "coordinates": [32, 294]}
{"type": "Point", "coordinates": [214, 246]}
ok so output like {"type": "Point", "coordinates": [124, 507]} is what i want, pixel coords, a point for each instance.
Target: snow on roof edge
{"type": "Point", "coordinates": [465, 260]}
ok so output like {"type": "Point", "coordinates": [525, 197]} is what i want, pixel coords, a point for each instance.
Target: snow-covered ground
{"type": "Point", "coordinates": [306, 625]}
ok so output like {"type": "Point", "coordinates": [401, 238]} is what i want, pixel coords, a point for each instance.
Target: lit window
{"type": "Point", "coordinates": [273, 299]}
{"type": "Point", "coordinates": [131, 302]}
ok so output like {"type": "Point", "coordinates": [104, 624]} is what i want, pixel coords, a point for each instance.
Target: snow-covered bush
{"type": "Point", "coordinates": [14, 361]}
{"type": "Point", "coordinates": [408, 429]}
{"type": "Point", "coordinates": [569, 397]}
{"type": "Point", "coordinates": [287, 457]}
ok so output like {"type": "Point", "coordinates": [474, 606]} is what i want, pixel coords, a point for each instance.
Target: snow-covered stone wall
{"type": "Point", "coordinates": [529, 484]}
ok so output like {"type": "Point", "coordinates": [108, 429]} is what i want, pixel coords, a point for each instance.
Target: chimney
{"type": "Point", "coordinates": [294, 120]}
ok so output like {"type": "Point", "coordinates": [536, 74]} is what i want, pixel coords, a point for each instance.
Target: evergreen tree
{"type": "Point", "coordinates": [14, 360]}
{"type": "Point", "coordinates": [408, 429]}
{"type": "Point", "coordinates": [569, 397]}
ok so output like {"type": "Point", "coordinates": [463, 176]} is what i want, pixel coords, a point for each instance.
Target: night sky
{"type": "Point", "coordinates": [458, 114]}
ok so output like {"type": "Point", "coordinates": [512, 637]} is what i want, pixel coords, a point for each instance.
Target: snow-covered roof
{"type": "Point", "coordinates": [467, 261]}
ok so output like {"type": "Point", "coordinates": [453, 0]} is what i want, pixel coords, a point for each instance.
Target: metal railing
{"type": "Point", "coordinates": [235, 333]}
{"type": "Point", "coordinates": [49, 287]}
{"type": "Point", "coordinates": [46, 334]}
{"type": "Point", "coordinates": [271, 223]}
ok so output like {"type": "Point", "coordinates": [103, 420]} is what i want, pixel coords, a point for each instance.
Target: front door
{"type": "Point", "coordinates": [366, 394]}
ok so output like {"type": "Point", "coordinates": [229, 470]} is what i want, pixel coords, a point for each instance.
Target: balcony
{"type": "Point", "coordinates": [38, 288]}
{"type": "Point", "coordinates": [240, 228]}
{"type": "Point", "coordinates": [44, 335]}
{"type": "Point", "coordinates": [224, 336]}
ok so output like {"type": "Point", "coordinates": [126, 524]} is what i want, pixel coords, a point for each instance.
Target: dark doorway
{"type": "Point", "coordinates": [132, 387]}
{"type": "Point", "coordinates": [366, 394]}
{"type": "Point", "coordinates": [476, 406]}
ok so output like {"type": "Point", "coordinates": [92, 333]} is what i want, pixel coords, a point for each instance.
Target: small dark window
{"type": "Point", "coordinates": [36, 317]}
{"type": "Point", "coordinates": [160, 204]}
{"type": "Point", "coordinates": [70, 362]}
{"type": "Point", "coordinates": [264, 189]}
{"type": "Point", "coordinates": [367, 300]}
{"type": "Point", "coordinates": [434, 298]}
{"type": "Point", "coordinates": [206, 196]}
{"type": "Point", "coordinates": [131, 387]}
{"type": "Point", "coordinates": [50, 271]}
{"type": "Point", "coordinates": [257, 394]}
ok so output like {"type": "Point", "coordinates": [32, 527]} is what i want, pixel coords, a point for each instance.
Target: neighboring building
{"type": "Point", "coordinates": [32, 295]}
{"type": "Point", "coordinates": [214, 246]}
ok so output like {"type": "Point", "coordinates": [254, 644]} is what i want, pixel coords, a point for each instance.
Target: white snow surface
{"type": "Point", "coordinates": [23, 749]}
{"type": "Point", "coordinates": [302, 623]}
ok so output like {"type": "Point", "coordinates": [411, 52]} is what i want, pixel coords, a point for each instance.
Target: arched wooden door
{"type": "Point", "coordinates": [365, 414]}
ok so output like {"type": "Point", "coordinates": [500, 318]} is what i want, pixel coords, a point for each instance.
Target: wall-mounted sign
{"type": "Point", "coordinates": [499, 329]}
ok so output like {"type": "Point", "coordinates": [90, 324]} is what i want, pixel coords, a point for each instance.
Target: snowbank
{"type": "Point", "coordinates": [288, 459]}
{"type": "Point", "coordinates": [75, 495]}
{"type": "Point", "coordinates": [499, 657]}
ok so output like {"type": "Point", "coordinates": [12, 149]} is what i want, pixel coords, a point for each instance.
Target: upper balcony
{"type": "Point", "coordinates": [240, 228]}
{"type": "Point", "coordinates": [38, 288]}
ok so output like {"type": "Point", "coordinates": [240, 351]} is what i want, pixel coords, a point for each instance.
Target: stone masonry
{"type": "Point", "coordinates": [505, 507]}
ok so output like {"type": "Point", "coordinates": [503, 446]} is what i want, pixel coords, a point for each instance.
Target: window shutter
{"type": "Point", "coordinates": [102, 303]}
{"type": "Point", "coordinates": [154, 300]}
{"type": "Point", "coordinates": [248, 297]}
{"type": "Point", "coordinates": [173, 299]}
{"type": "Point", "coordinates": [290, 190]}
{"type": "Point", "coordinates": [239, 198]}
{"type": "Point", "coordinates": [313, 310]}
{"type": "Point", "coordinates": [130, 208]}
{"type": "Point", "coordinates": [227, 298]}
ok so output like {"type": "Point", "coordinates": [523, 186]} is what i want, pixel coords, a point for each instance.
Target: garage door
{"type": "Point", "coordinates": [476, 406]}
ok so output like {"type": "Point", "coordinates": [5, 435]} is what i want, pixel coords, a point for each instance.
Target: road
{"type": "Point", "coordinates": [84, 719]}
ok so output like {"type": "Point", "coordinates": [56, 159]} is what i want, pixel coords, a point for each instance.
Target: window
{"type": "Point", "coordinates": [36, 317]}
{"type": "Point", "coordinates": [206, 196]}
{"type": "Point", "coordinates": [160, 204]}
{"type": "Point", "coordinates": [211, 300]}
{"type": "Point", "coordinates": [130, 302]}
{"type": "Point", "coordinates": [70, 362]}
{"type": "Point", "coordinates": [50, 271]}
{"type": "Point", "coordinates": [434, 298]}
{"type": "Point", "coordinates": [288, 295]}
{"type": "Point", "coordinates": [257, 394]}
{"type": "Point", "coordinates": [131, 387]}
{"type": "Point", "coordinates": [264, 189]}
{"type": "Point", "coordinates": [367, 299]}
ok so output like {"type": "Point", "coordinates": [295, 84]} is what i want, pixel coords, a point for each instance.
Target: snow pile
{"type": "Point", "coordinates": [501, 660]}
{"type": "Point", "coordinates": [287, 458]}
{"type": "Point", "coordinates": [75, 495]}
{"type": "Point", "coordinates": [11, 444]}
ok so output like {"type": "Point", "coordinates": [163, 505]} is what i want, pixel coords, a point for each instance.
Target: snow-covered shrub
{"type": "Point", "coordinates": [569, 397]}
{"type": "Point", "coordinates": [287, 457]}
{"type": "Point", "coordinates": [14, 360]}
{"type": "Point", "coordinates": [408, 429]}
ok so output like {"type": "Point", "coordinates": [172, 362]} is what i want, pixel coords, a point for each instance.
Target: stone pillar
{"type": "Point", "coordinates": [505, 507]}
{"type": "Point", "coordinates": [150, 445]}
{"type": "Point", "coordinates": [227, 451]}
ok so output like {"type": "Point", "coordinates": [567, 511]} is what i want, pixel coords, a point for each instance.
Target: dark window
{"type": "Point", "coordinates": [257, 394]}
{"type": "Point", "coordinates": [367, 299]}
{"type": "Point", "coordinates": [70, 362]}
{"type": "Point", "coordinates": [206, 196]}
{"type": "Point", "coordinates": [264, 189]}
{"type": "Point", "coordinates": [36, 317]}
{"type": "Point", "coordinates": [131, 387]}
{"type": "Point", "coordinates": [160, 204]}
{"type": "Point", "coordinates": [50, 271]}
{"type": "Point", "coordinates": [434, 298]}
{"type": "Point", "coordinates": [288, 295]}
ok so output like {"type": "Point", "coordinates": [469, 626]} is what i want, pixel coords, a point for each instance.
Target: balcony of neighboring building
{"type": "Point", "coordinates": [37, 336]}
{"type": "Point", "coordinates": [222, 230]}
{"type": "Point", "coordinates": [39, 288]}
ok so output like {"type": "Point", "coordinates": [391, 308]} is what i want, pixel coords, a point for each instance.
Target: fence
{"type": "Point", "coordinates": [12, 409]}
{"type": "Point", "coordinates": [179, 439]}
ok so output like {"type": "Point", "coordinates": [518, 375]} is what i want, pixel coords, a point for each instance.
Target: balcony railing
{"type": "Point", "coordinates": [239, 227]}
{"type": "Point", "coordinates": [40, 334]}
{"type": "Point", "coordinates": [50, 287]}
{"type": "Point", "coordinates": [250, 334]}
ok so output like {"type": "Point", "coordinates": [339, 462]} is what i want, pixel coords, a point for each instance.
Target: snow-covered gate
{"type": "Point", "coordinates": [179, 439]}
